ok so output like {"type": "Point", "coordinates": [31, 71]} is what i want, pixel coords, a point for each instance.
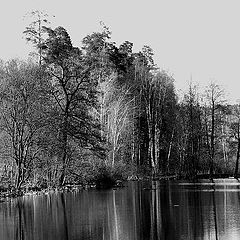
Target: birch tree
{"type": "Point", "coordinates": [118, 119]}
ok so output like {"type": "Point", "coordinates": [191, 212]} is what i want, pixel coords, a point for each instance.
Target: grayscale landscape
{"type": "Point", "coordinates": [119, 120]}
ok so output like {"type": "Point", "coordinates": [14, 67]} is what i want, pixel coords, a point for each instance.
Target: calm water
{"type": "Point", "coordinates": [172, 210]}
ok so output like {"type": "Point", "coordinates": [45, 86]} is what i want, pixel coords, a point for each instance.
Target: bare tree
{"type": "Point", "coordinates": [35, 32]}
{"type": "Point", "coordinates": [190, 131]}
{"type": "Point", "coordinates": [117, 106]}
{"type": "Point", "coordinates": [214, 99]}
{"type": "Point", "coordinates": [235, 133]}
{"type": "Point", "coordinates": [22, 107]}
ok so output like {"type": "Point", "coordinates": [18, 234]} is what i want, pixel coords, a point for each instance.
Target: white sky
{"type": "Point", "coordinates": [198, 38]}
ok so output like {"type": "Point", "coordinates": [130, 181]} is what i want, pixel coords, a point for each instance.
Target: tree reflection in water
{"type": "Point", "coordinates": [140, 211]}
{"type": "Point", "coordinates": [215, 213]}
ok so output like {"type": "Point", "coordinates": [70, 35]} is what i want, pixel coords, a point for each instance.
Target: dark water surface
{"type": "Point", "coordinates": [141, 210]}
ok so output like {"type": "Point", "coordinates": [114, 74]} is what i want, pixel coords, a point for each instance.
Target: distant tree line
{"type": "Point", "coordinates": [82, 114]}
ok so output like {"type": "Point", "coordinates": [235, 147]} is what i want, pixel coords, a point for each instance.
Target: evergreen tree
{"type": "Point", "coordinates": [74, 93]}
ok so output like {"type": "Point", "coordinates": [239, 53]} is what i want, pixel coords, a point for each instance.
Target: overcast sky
{"type": "Point", "coordinates": [198, 38]}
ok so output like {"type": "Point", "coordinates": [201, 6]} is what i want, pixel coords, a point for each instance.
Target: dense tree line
{"type": "Point", "coordinates": [79, 114]}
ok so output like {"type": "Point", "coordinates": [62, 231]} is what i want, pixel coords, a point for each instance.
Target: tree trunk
{"type": "Point", "coordinates": [20, 177]}
{"type": "Point", "coordinates": [64, 155]}
{"type": "Point", "coordinates": [113, 157]}
{"type": "Point", "coordinates": [169, 151]}
{"type": "Point", "coordinates": [64, 166]}
{"type": "Point", "coordinates": [212, 141]}
{"type": "Point", "coordinates": [154, 150]}
{"type": "Point", "coordinates": [237, 160]}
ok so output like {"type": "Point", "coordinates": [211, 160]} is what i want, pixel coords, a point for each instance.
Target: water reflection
{"type": "Point", "coordinates": [143, 211]}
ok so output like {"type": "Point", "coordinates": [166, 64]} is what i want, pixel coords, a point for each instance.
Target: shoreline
{"type": "Point", "coordinates": [7, 193]}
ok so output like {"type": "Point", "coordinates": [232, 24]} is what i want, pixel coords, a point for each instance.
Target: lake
{"type": "Point", "coordinates": [141, 210]}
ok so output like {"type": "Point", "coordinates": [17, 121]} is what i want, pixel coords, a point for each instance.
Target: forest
{"type": "Point", "coordinates": [99, 112]}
